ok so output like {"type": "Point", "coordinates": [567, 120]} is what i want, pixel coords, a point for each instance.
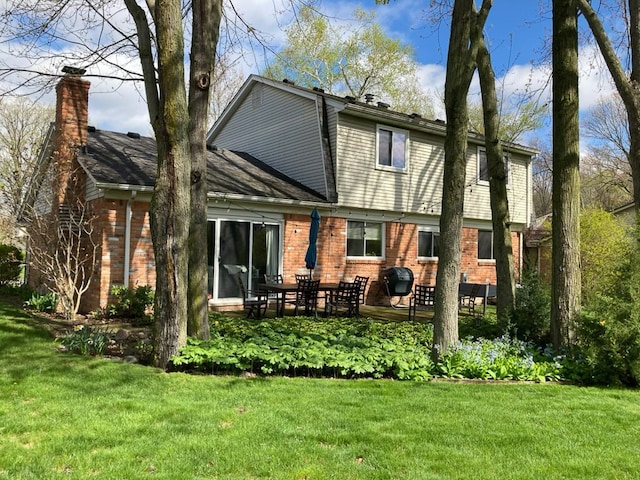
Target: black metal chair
{"type": "Point", "coordinates": [362, 286]}
{"type": "Point", "coordinates": [254, 302]}
{"type": "Point", "coordinates": [423, 299]}
{"type": "Point", "coordinates": [306, 297]}
{"type": "Point", "coordinates": [468, 295]}
{"type": "Point", "coordinates": [302, 276]}
{"type": "Point", "coordinates": [345, 298]}
{"type": "Point", "coordinates": [278, 297]}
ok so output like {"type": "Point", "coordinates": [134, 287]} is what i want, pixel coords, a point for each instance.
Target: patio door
{"type": "Point", "coordinates": [247, 248]}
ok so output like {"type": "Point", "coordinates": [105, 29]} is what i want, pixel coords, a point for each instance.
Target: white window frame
{"type": "Point", "coordinates": [482, 153]}
{"type": "Point", "coordinates": [433, 231]}
{"type": "Point", "coordinates": [394, 131]}
{"type": "Point", "coordinates": [365, 256]}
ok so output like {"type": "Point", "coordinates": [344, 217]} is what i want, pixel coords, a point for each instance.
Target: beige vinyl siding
{"type": "Point", "coordinates": [477, 194]}
{"type": "Point", "coordinates": [417, 189]}
{"type": "Point", "coordinates": [92, 192]}
{"type": "Point", "coordinates": [284, 134]}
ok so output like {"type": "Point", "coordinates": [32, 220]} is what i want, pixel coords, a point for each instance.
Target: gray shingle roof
{"type": "Point", "coordinates": [126, 159]}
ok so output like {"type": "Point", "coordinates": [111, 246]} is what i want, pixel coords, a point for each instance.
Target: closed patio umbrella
{"type": "Point", "coordinates": [312, 255]}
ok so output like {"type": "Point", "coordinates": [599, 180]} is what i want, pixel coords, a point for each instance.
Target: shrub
{"type": "Point", "coordinates": [130, 303]}
{"type": "Point", "coordinates": [604, 242]}
{"type": "Point", "coordinates": [47, 302]}
{"type": "Point", "coordinates": [608, 333]}
{"type": "Point", "coordinates": [10, 264]}
{"type": "Point", "coordinates": [530, 318]}
{"type": "Point", "coordinates": [86, 340]}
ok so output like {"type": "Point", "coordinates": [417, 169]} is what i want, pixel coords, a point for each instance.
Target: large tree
{"type": "Point", "coordinates": [627, 80]}
{"type": "Point", "coordinates": [179, 125]}
{"type": "Point", "coordinates": [466, 25]}
{"type": "Point", "coordinates": [566, 292]}
{"type": "Point", "coordinates": [506, 287]}
{"type": "Point", "coordinates": [178, 113]}
{"type": "Point", "coordinates": [355, 60]}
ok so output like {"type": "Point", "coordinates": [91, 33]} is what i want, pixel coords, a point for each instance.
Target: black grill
{"type": "Point", "coordinates": [398, 281]}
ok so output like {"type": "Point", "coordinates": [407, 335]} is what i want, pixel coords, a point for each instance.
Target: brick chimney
{"type": "Point", "coordinates": [72, 114]}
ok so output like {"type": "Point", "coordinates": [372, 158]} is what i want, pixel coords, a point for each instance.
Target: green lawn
{"type": "Point", "coordinates": [71, 417]}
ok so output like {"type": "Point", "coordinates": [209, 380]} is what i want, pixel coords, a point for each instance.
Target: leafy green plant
{"type": "Point", "coordinates": [605, 246]}
{"type": "Point", "coordinates": [86, 340]}
{"type": "Point", "coordinates": [352, 348]}
{"type": "Point", "coordinates": [47, 302]}
{"type": "Point", "coordinates": [10, 263]}
{"type": "Point", "coordinates": [132, 303]}
{"type": "Point", "coordinates": [530, 318]}
{"type": "Point", "coordinates": [608, 331]}
{"type": "Point", "coordinates": [499, 359]}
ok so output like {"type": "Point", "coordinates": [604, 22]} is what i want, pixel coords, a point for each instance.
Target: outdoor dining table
{"type": "Point", "coordinates": [283, 288]}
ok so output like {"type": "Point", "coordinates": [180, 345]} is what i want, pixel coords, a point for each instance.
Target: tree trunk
{"type": "Point", "coordinates": [204, 38]}
{"type": "Point", "coordinates": [566, 282]}
{"type": "Point", "coordinates": [628, 86]}
{"type": "Point", "coordinates": [171, 200]}
{"type": "Point", "coordinates": [460, 68]}
{"type": "Point", "coordinates": [505, 289]}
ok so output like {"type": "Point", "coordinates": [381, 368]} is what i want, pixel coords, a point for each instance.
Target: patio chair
{"type": "Point", "coordinates": [345, 298]}
{"type": "Point", "coordinates": [362, 285]}
{"type": "Point", "coordinates": [279, 279]}
{"type": "Point", "coordinates": [306, 297]}
{"type": "Point", "coordinates": [255, 303]}
{"type": "Point", "coordinates": [423, 299]}
{"type": "Point", "coordinates": [302, 276]}
{"type": "Point", "coordinates": [467, 298]}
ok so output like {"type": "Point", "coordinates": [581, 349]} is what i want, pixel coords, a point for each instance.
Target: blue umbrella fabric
{"type": "Point", "coordinates": [312, 254]}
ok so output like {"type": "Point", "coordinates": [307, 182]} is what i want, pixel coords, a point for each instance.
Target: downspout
{"type": "Point", "coordinates": [127, 239]}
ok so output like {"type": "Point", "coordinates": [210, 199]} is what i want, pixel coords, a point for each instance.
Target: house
{"type": "Point", "coordinates": [277, 152]}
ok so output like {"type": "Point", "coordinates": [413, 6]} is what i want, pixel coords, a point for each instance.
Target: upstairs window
{"type": "Point", "coordinates": [483, 166]}
{"type": "Point", "coordinates": [364, 239]}
{"type": "Point", "coordinates": [428, 243]}
{"type": "Point", "coordinates": [392, 148]}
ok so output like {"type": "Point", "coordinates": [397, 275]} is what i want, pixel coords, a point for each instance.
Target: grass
{"type": "Point", "coordinates": [72, 417]}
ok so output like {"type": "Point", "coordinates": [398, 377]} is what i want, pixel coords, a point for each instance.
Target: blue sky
{"type": "Point", "coordinates": [516, 30]}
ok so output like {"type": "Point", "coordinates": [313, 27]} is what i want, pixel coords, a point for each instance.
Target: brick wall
{"type": "Point", "coordinates": [401, 250]}
{"type": "Point", "coordinates": [111, 267]}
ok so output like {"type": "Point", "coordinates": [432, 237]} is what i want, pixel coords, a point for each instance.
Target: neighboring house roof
{"type": "Point", "coordinates": [129, 161]}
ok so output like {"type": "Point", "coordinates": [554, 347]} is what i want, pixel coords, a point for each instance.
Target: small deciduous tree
{"type": "Point", "coordinates": [23, 128]}
{"type": "Point", "coordinates": [63, 245]}
{"type": "Point", "coordinates": [607, 180]}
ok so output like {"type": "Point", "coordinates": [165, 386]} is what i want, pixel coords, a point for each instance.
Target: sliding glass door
{"type": "Point", "coordinates": [241, 248]}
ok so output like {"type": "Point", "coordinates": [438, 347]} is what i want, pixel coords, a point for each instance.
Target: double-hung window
{"type": "Point", "coordinates": [485, 245]}
{"type": "Point", "coordinates": [483, 166]}
{"type": "Point", "coordinates": [428, 242]}
{"type": "Point", "coordinates": [392, 148]}
{"type": "Point", "coordinates": [364, 239]}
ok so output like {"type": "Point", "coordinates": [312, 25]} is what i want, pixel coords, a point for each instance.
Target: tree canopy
{"type": "Point", "coordinates": [354, 59]}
